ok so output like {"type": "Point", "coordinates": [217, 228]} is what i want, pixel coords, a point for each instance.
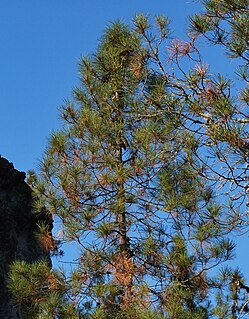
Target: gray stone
{"type": "Point", "coordinates": [17, 227]}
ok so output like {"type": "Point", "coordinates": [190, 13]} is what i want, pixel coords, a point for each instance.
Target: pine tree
{"type": "Point", "coordinates": [121, 177]}
{"type": "Point", "coordinates": [126, 179]}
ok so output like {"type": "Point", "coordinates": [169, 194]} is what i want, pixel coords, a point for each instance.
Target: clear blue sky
{"type": "Point", "coordinates": [41, 43]}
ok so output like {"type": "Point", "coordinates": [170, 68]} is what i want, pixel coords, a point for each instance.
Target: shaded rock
{"type": "Point", "coordinates": [17, 231]}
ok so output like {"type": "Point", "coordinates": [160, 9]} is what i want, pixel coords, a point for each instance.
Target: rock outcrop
{"type": "Point", "coordinates": [17, 231]}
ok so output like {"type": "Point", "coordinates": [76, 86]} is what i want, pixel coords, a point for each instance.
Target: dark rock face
{"type": "Point", "coordinates": [17, 227]}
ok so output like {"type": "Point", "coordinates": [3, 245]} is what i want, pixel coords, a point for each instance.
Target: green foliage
{"type": "Point", "coordinates": [133, 173]}
{"type": "Point", "coordinates": [39, 291]}
{"type": "Point", "coordinates": [25, 287]}
{"type": "Point", "coordinates": [226, 23]}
